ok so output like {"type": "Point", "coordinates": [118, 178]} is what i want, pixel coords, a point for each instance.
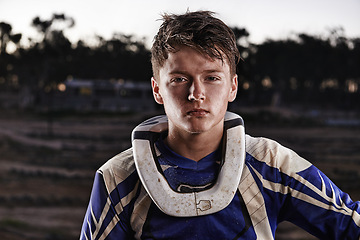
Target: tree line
{"type": "Point", "coordinates": [307, 70]}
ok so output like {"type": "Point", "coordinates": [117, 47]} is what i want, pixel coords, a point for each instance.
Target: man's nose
{"type": "Point", "coordinates": [196, 91]}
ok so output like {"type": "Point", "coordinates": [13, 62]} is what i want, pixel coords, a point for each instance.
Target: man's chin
{"type": "Point", "coordinates": [197, 129]}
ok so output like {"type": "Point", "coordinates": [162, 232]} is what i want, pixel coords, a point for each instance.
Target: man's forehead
{"type": "Point", "coordinates": [187, 55]}
{"type": "Point", "coordinates": [212, 54]}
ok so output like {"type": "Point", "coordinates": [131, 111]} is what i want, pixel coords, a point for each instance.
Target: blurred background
{"type": "Point", "coordinates": [75, 80]}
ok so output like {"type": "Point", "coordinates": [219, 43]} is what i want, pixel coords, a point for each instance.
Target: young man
{"type": "Point", "coordinates": [190, 175]}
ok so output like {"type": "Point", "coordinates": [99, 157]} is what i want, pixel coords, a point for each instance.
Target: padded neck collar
{"type": "Point", "coordinates": [196, 203]}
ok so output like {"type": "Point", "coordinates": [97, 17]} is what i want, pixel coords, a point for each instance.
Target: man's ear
{"type": "Point", "coordinates": [234, 88]}
{"type": "Point", "coordinates": [156, 91]}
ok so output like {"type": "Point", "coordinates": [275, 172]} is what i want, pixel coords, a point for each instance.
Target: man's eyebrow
{"type": "Point", "coordinates": [213, 71]}
{"type": "Point", "coordinates": [182, 72]}
{"type": "Point", "coordinates": [175, 72]}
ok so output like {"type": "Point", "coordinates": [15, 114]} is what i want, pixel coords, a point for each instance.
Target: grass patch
{"type": "Point", "coordinates": [12, 223]}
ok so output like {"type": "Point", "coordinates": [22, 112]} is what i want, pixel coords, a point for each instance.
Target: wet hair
{"type": "Point", "coordinates": [198, 30]}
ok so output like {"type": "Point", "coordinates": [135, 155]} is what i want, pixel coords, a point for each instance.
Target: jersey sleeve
{"type": "Point", "coordinates": [321, 208]}
{"type": "Point", "coordinates": [296, 191]}
{"type": "Point", "coordinates": [109, 210]}
{"type": "Point", "coordinates": [101, 218]}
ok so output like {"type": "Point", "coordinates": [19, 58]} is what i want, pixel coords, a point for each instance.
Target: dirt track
{"type": "Point", "coordinates": [46, 176]}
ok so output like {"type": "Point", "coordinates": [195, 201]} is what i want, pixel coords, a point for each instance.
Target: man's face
{"type": "Point", "coordinates": [195, 91]}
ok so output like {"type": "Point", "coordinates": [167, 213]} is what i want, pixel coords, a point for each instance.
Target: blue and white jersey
{"type": "Point", "coordinates": [276, 185]}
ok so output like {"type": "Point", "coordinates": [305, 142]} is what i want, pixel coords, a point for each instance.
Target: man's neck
{"type": "Point", "coordinates": [194, 146]}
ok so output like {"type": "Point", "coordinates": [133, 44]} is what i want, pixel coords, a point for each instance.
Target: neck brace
{"type": "Point", "coordinates": [191, 204]}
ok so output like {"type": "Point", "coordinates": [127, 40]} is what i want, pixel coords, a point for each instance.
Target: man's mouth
{"type": "Point", "coordinates": [197, 112]}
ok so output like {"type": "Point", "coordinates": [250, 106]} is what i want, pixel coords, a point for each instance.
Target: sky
{"type": "Point", "coordinates": [263, 19]}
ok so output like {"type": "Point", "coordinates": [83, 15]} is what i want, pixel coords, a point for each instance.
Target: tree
{"type": "Point", "coordinates": [6, 36]}
{"type": "Point", "coordinates": [52, 50]}
{"type": "Point", "coordinates": [44, 27]}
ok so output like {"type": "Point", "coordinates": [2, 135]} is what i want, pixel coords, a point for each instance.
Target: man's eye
{"type": "Point", "coordinates": [178, 79]}
{"type": "Point", "coordinates": [213, 78]}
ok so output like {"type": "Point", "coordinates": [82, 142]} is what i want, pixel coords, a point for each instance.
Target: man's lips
{"type": "Point", "coordinates": [197, 112]}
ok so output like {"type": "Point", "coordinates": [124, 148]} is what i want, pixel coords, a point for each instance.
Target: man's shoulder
{"type": "Point", "coordinates": [259, 147]}
{"type": "Point", "coordinates": [121, 165]}
{"type": "Point", "coordinates": [275, 154]}
{"type": "Point", "coordinates": [254, 144]}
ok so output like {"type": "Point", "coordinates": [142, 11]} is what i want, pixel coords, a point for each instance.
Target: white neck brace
{"type": "Point", "coordinates": [195, 203]}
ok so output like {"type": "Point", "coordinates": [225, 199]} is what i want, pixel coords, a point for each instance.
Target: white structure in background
{"type": "Point", "coordinates": [103, 95]}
